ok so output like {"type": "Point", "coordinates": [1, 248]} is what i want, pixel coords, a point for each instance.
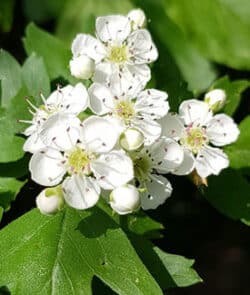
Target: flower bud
{"type": "Point", "coordinates": [82, 67]}
{"type": "Point", "coordinates": [125, 199]}
{"type": "Point", "coordinates": [216, 99]}
{"type": "Point", "coordinates": [131, 139]}
{"type": "Point", "coordinates": [137, 19]}
{"type": "Point", "coordinates": [50, 200]}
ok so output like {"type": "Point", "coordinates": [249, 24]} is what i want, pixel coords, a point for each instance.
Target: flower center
{"type": "Point", "coordinates": [125, 110]}
{"type": "Point", "coordinates": [194, 138]}
{"type": "Point", "coordinates": [118, 54]}
{"type": "Point", "coordinates": [79, 160]}
{"type": "Point", "coordinates": [142, 166]}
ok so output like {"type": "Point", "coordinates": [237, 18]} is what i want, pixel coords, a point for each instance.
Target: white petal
{"type": "Point", "coordinates": [172, 126]}
{"type": "Point", "coordinates": [98, 134]}
{"type": "Point", "coordinates": [113, 28]}
{"type": "Point", "coordinates": [81, 192]}
{"type": "Point", "coordinates": [101, 99]}
{"type": "Point", "coordinates": [167, 155]}
{"type": "Point", "coordinates": [187, 165]}
{"type": "Point", "coordinates": [149, 128]}
{"type": "Point", "coordinates": [153, 103]}
{"type": "Point", "coordinates": [33, 143]}
{"type": "Point", "coordinates": [194, 111]}
{"type": "Point", "coordinates": [158, 190]}
{"type": "Point", "coordinates": [210, 161]}
{"type": "Point", "coordinates": [222, 130]}
{"type": "Point", "coordinates": [216, 99]}
{"type": "Point", "coordinates": [61, 131]}
{"type": "Point", "coordinates": [137, 19]}
{"type": "Point", "coordinates": [103, 72]}
{"type": "Point", "coordinates": [47, 167]}
{"type": "Point", "coordinates": [70, 99]}
{"type": "Point", "coordinates": [141, 72]}
{"type": "Point", "coordinates": [113, 169]}
{"type": "Point", "coordinates": [87, 45]}
{"type": "Point", "coordinates": [141, 47]}
{"type": "Point", "coordinates": [82, 67]}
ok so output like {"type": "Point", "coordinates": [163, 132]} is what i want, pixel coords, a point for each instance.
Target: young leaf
{"type": "Point", "coordinates": [35, 77]}
{"type": "Point", "coordinates": [233, 91]}
{"type": "Point", "coordinates": [10, 76]}
{"type": "Point", "coordinates": [239, 152]}
{"type": "Point", "coordinates": [55, 54]}
{"type": "Point", "coordinates": [61, 254]}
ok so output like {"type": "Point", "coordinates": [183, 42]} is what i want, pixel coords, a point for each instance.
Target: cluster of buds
{"type": "Point", "coordinates": [129, 139]}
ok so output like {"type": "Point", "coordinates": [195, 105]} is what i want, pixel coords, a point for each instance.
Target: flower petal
{"type": "Point", "coordinates": [81, 192]}
{"type": "Point", "coordinates": [222, 130]}
{"type": "Point", "coordinates": [172, 126]}
{"type": "Point", "coordinates": [193, 111]}
{"type": "Point", "coordinates": [61, 131]}
{"type": "Point", "coordinates": [153, 103]}
{"type": "Point", "coordinates": [167, 155]}
{"type": "Point", "coordinates": [85, 44]}
{"type": "Point", "coordinates": [113, 28]}
{"type": "Point", "coordinates": [33, 143]}
{"type": "Point", "coordinates": [150, 129]}
{"type": "Point", "coordinates": [47, 167]}
{"type": "Point", "coordinates": [113, 169]}
{"type": "Point", "coordinates": [69, 99]}
{"type": "Point", "coordinates": [187, 165]}
{"type": "Point", "coordinates": [101, 99]}
{"type": "Point", "coordinates": [141, 47]}
{"type": "Point", "coordinates": [98, 134]}
{"type": "Point", "coordinates": [103, 72]}
{"type": "Point", "coordinates": [210, 161]}
{"type": "Point", "coordinates": [141, 72]}
{"type": "Point", "coordinates": [158, 190]}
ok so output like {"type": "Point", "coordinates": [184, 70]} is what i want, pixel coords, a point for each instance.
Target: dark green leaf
{"type": "Point", "coordinates": [6, 14]}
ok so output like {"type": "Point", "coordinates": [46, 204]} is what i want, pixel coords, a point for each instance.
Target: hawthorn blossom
{"type": "Point", "coordinates": [199, 133]}
{"type": "Point", "coordinates": [161, 157]}
{"type": "Point", "coordinates": [129, 107]}
{"type": "Point", "coordinates": [89, 163]}
{"type": "Point", "coordinates": [116, 49]}
{"type": "Point", "coordinates": [64, 103]}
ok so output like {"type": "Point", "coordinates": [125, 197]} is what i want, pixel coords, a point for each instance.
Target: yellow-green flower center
{"type": "Point", "coordinates": [118, 54]}
{"type": "Point", "coordinates": [142, 166]}
{"type": "Point", "coordinates": [125, 110]}
{"type": "Point", "coordinates": [79, 160]}
{"type": "Point", "coordinates": [194, 139]}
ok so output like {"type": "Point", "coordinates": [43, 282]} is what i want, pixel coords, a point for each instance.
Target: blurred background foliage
{"type": "Point", "coordinates": [202, 45]}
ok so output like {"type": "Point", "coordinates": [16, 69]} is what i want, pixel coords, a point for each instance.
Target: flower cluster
{"type": "Point", "coordinates": [128, 139]}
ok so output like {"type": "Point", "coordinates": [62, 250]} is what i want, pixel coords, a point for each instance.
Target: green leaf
{"type": "Point", "coordinates": [239, 152]}
{"type": "Point", "coordinates": [79, 16]}
{"type": "Point", "coordinates": [233, 91]}
{"type": "Point", "coordinates": [169, 270]}
{"type": "Point", "coordinates": [61, 254]}
{"type": "Point", "coordinates": [15, 169]}
{"type": "Point", "coordinates": [55, 54]}
{"type": "Point", "coordinates": [218, 28]}
{"type": "Point", "coordinates": [229, 193]}
{"type": "Point", "coordinates": [10, 76]}
{"type": "Point", "coordinates": [6, 14]}
{"type": "Point", "coordinates": [35, 77]}
{"type": "Point", "coordinates": [195, 69]}
{"type": "Point", "coordinates": [9, 188]}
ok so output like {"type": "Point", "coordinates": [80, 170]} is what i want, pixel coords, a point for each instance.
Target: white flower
{"type": "Point", "coordinates": [130, 108]}
{"type": "Point", "coordinates": [82, 67]}
{"type": "Point", "coordinates": [88, 162]}
{"type": "Point", "coordinates": [117, 50]}
{"type": "Point", "coordinates": [125, 199]}
{"type": "Point", "coordinates": [161, 157]}
{"type": "Point", "coordinates": [216, 99]}
{"type": "Point", "coordinates": [50, 200]}
{"type": "Point", "coordinates": [195, 128]}
{"type": "Point", "coordinates": [137, 19]}
{"type": "Point", "coordinates": [65, 103]}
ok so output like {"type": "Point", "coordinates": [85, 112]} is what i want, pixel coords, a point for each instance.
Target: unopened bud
{"type": "Point", "coordinates": [125, 199]}
{"type": "Point", "coordinates": [131, 139]}
{"type": "Point", "coordinates": [137, 19]}
{"type": "Point", "coordinates": [82, 67]}
{"type": "Point", "coordinates": [216, 99]}
{"type": "Point", "coordinates": [50, 200]}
